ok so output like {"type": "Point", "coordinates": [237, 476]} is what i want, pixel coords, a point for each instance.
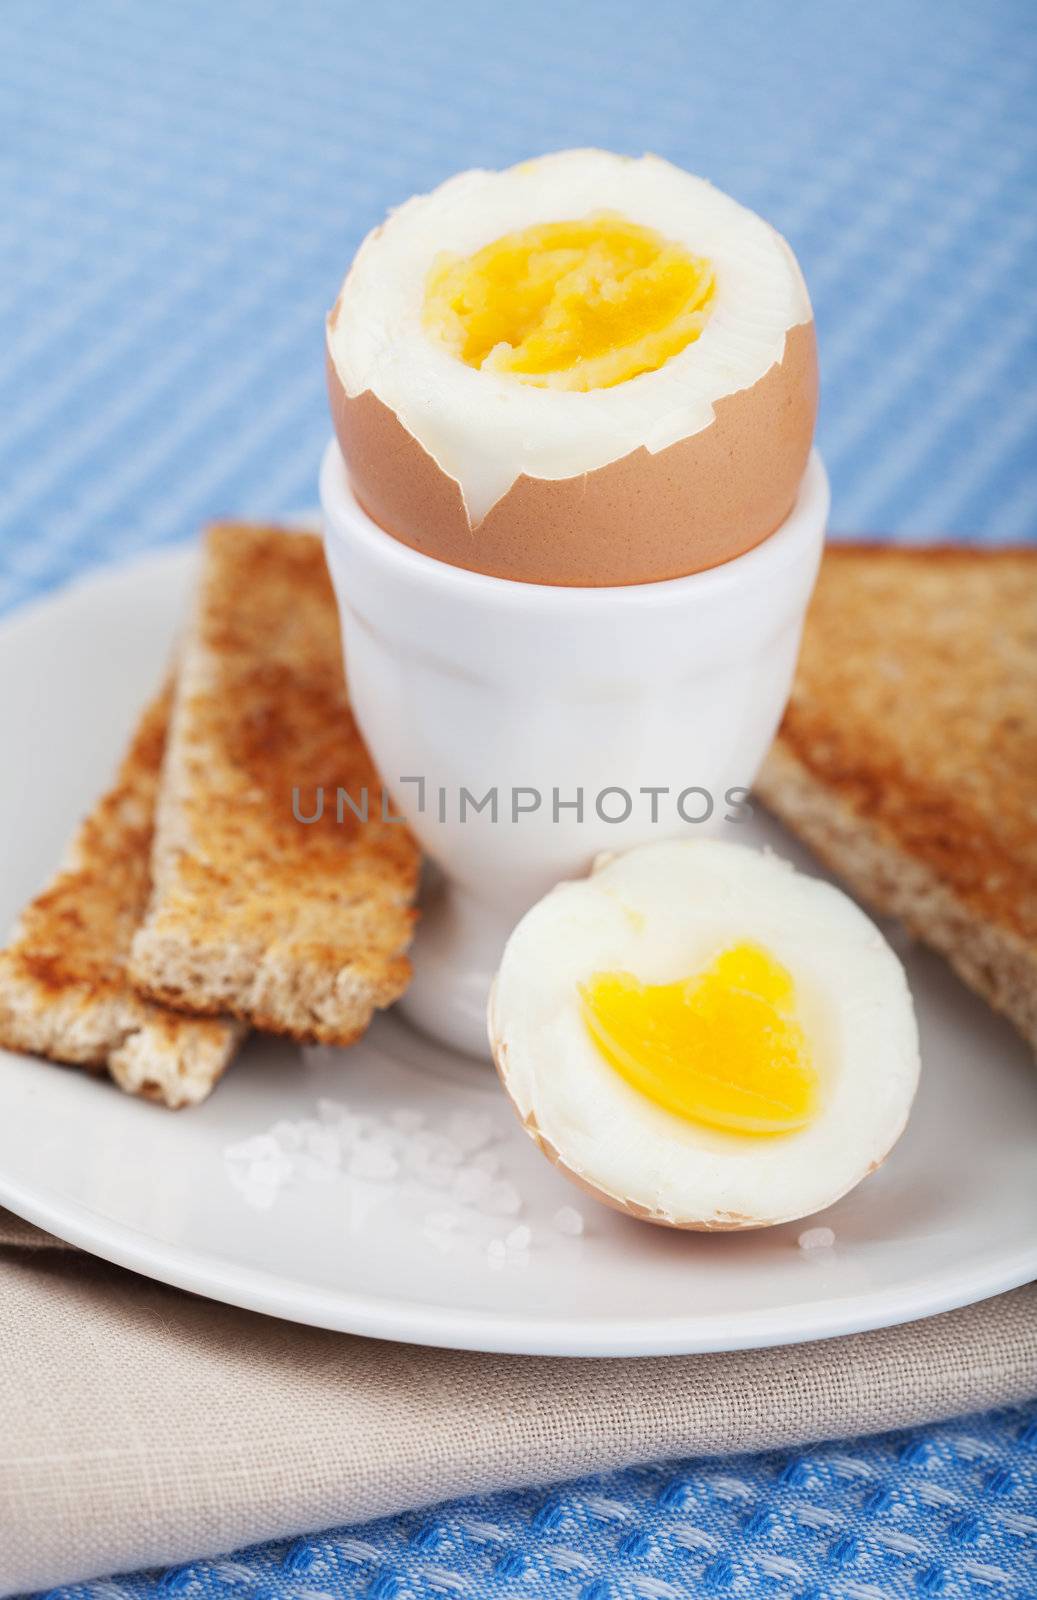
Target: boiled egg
{"type": "Point", "coordinates": [588, 369]}
{"type": "Point", "coordinates": [704, 1037]}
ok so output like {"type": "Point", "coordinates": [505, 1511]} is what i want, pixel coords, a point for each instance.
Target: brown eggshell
{"type": "Point", "coordinates": [725, 1222]}
{"type": "Point", "coordinates": [696, 504]}
{"type": "Point", "coordinates": [728, 1223]}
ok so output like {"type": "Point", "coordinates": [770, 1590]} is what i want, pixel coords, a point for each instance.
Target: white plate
{"type": "Point", "coordinates": [950, 1218]}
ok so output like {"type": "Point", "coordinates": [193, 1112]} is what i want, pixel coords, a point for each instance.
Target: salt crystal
{"type": "Point", "coordinates": [503, 1200]}
{"type": "Point", "coordinates": [348, 1132]}
{"type": "Point", "coordinates": [470, 1130]}
{"type": "Point", "coordinates": [407, 1120]}
{"type": "Point", "coordinates": [432, 1149]}
{"type": "Point", "coordinates": [440, 1229]}
{"type": "Point", "coordinates": [259, 1147]}
{"type": "Point", "coordinates": [313, 1171]}
{"type": "Point", "coordinates": [471, 1186]}
{"type": "Point", "coordinates": [322, 1146]}
{"type": "Point", "coordinates": [432, 1174]}
{"type": "Point", "coordinates": [452, 1157]}
{"type": "Point", "coordinates": [287, 1135]}
{"type": "Point", "coordinates": [568, 1220]}
{"type": "Point", "coordinates": [332, 1110]}
{"type": "Point", "coordinates": [337, 1122]}
{"type": "Point", "coordinates": [260, 1196]}
{"type": "Point", "coordinates": [258, 1168]}
{"type": "Point", "coordinates": [442, 1221]}
{"type": "Point", "coordinates": [272, 1172]}
{"type": "Point", "coordinates": [373, 1161]}
{"type": "Point", "coordinates": [816, 1239]}
{"type": "Point", "coordinates": [519, 1238]}
{"type": "Point", "coordinates": [419, 1146]}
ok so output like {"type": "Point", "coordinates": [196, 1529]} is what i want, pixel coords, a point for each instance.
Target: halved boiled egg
{"type": "Point", "coordinates": [704, 1037]}
{"type": "Point", "coordinates": [587, 369]}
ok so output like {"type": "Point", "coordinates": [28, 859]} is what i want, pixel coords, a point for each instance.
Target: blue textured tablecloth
{"type": "Point", "coordinates": [182, 185]}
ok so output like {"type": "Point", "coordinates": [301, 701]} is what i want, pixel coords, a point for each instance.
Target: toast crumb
{"type": "Point", "coordinates": [64, 992]}
{"type": "Point", "coordinates": [907, 758]}
{"type": "Point", "coordinates": [298, 929]}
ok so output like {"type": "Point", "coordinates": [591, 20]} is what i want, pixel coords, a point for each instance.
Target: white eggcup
{"type": "Point", "coordinates": [522, 728]}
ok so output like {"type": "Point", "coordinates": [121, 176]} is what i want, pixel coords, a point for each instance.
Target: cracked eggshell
{"type": "Point", "coordinates": [663, 911]}
{"type": "Point", "coordinates": [640, 519]}
{"type": "Point", "coordinates": [667, 474]}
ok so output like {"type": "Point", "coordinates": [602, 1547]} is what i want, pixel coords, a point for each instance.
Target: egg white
{"type": "Point", "coordinates": [484, 429]}
{"type": "Point", "coordinates": [663, 912]}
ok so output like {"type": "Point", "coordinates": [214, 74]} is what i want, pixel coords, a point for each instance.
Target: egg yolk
{"type": "Point", "coordinates": [570, 305]}
{"type": "Point", "coordinates": [721, 1048]}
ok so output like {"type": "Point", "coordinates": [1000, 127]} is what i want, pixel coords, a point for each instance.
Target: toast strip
{"type": "Point", "coordinates": [907, 758]}
{"type": "Point", "coordinates": [296, 928]}
{"type": "Point", "coordinates": [63, 986]}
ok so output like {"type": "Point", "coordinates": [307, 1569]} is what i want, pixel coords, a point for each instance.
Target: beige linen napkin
{"type": "Point", "coordinates": [140, 1425]}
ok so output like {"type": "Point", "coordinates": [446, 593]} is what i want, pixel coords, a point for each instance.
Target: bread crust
{"type": "Point", "coordinates": [907, 758]}
{"type": "Point", "coordinates": [296, 929]}
{"type": "Point", "coordinates": [64, 991]}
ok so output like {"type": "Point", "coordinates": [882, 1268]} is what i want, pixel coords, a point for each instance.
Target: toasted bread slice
{"type": "Point", "coordinates": [298, 928]}
{"type": "Point", "coordinates": [63, 986]}
{"type": "Point", "coordinates": [907, 758]}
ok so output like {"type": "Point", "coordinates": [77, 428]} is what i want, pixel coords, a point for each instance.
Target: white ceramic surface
{"type": "Point", "coordinates": [951, 1217]}
{"type": "Point", "coordinates": [540, 696]}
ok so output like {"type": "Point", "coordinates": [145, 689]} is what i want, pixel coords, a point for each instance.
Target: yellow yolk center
{"type": "Point", "coordinates": [722, 1048]}
{"type": "Point", "coordinates": [570, 305]}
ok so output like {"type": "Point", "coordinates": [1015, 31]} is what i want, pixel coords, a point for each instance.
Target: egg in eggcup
{"type": "Point", "coordinates": [586, 370]}
{"type": "Point", "coordinates": [573, 521]}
